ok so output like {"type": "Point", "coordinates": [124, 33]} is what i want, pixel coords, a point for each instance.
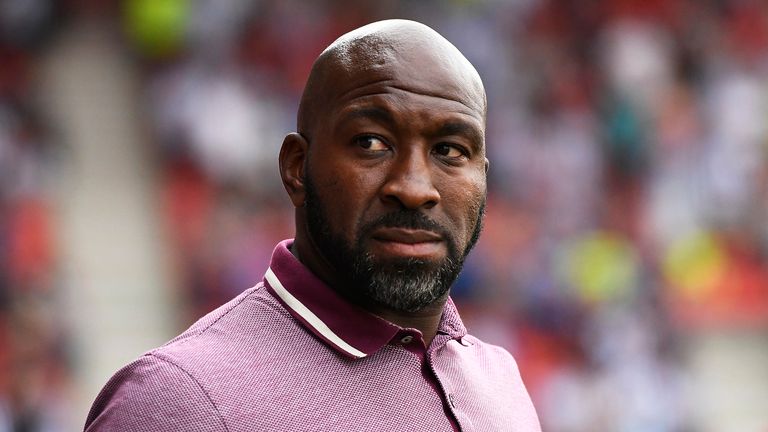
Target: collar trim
{"type": "Point", "coordinates": [309, 317]}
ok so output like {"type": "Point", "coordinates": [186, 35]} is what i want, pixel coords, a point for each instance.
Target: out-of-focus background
{"type": "Point", "coordinates": [625, 256]}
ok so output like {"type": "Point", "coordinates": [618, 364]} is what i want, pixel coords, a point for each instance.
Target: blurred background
{"type": "Point", "coordinates": [624, 260]}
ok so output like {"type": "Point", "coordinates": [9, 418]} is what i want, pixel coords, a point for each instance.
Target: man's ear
{"type": "Point", "coordinates": [293, 157]}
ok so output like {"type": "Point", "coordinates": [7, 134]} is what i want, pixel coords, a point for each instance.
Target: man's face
{"type": "Point", "coordinates": [395, 185]}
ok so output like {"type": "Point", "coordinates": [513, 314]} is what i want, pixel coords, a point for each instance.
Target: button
{"type": "Point", "coordinates": [407, 339]}
{"type": "Point", "coordinates": [452, 400]}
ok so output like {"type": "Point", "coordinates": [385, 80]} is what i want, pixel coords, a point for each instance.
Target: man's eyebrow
{"type": "Point", "coordinates": [461, 128]}
{"type": "Point", "coordinates": [374, 113]}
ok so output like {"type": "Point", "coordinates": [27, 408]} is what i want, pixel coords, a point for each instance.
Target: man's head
{"type": "Point", "coordinates": [388, 168]}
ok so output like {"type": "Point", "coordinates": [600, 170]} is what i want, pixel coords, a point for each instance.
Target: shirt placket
{"type": "Point", "coordinates": [447, 395]}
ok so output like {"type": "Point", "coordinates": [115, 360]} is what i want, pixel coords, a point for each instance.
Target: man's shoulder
{"type": "Point", "coordinates": [246, 332]}
{"type": "Point", "coordinates": [152, 393]}
{"type": "Point", "coordinates": [179, 380]}
{"type": "Point", "coordinates": [225, 325]}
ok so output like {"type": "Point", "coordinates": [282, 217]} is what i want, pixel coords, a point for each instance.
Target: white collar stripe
{"type": "Point", "coordinates": [308, 316]}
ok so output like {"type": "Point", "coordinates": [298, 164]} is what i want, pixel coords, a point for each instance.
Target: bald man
{"type": "Point", "coordinates": [352, 327]}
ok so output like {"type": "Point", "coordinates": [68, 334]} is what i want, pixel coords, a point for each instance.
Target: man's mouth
{"type": "Point", "coordinates": [407, 242]}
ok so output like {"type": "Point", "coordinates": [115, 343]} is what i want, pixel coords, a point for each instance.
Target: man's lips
{"type": "Point", "coordinates": [408, 242]}
{"type": "Point", "coordinates": [406, 235]}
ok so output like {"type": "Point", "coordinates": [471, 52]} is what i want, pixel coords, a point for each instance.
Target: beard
{"type": "Point", "coordinates": [401, 284]}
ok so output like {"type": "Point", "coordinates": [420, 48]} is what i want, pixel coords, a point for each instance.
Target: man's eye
{"type": "Point", "coordinates": [370, 142]}
{"type": "Point", "coordinates": [449, 151]}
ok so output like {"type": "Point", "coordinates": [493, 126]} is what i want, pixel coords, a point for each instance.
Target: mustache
{"type": "Point", "coordinates": [409, 219]}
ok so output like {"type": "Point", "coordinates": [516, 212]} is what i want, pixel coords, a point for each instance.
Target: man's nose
{"type": "Point", "coordinates": [410, 182]}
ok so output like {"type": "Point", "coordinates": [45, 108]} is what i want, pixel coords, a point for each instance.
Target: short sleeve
{"type": "Point", "coordinates": [153, 394]}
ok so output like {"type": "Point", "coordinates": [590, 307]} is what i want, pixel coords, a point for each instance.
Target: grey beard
{"type": "Point", "coordinates": [409, 285]}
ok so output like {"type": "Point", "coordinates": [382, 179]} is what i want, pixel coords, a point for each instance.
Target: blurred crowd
{"type": "Point", "coordinates": [34, 353]}
{"type": "Point", "coordinates": [628, 189]}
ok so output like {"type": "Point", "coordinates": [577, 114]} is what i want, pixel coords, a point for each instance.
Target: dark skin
{"type": "Point", "coordinates": [393, 117]}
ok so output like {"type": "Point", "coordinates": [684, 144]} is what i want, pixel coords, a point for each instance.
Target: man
{"type": "Point", "coordinates": [352, 328]}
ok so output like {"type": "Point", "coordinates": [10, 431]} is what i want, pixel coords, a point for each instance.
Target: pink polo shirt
{"type": "Point", "coordinates": [291, 355]}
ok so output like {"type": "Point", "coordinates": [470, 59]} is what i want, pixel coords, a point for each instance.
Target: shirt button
{"type": "Point", "coordinates": [406, 339]}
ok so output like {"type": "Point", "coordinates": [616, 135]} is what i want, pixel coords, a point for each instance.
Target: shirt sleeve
{"type": "Point", "coordinates": [153, 394]}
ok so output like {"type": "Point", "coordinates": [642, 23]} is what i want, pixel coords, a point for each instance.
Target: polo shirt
{"type": "Point", "coordinates": [290, 354]}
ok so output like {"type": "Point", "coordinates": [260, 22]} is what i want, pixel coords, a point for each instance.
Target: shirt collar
{"type": "Point", "coordinates": [347, 328]}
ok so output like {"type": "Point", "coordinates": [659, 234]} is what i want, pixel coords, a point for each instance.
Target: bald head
{"type": "Point", "coordinates": [402, 53]}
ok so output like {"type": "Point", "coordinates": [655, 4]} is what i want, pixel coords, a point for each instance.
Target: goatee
{"type": "Point", "coordinates": [401, 284]}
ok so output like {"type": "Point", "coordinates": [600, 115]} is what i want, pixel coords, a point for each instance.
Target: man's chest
{"type": "Point", "coordinates": [393, 390]}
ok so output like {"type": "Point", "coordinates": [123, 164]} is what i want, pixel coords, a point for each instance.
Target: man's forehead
{"type": "Point", "coordinates": [398, 54]}
{"type": "Point", "coordinates": [392, 105]}
{"type": "Point", "coordinates": [383, 105]}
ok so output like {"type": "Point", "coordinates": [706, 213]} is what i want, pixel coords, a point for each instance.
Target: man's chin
{"type": "Point", "coordinates": [405, 292]}
{"type": "Point", "coordinates": [406, 266]}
